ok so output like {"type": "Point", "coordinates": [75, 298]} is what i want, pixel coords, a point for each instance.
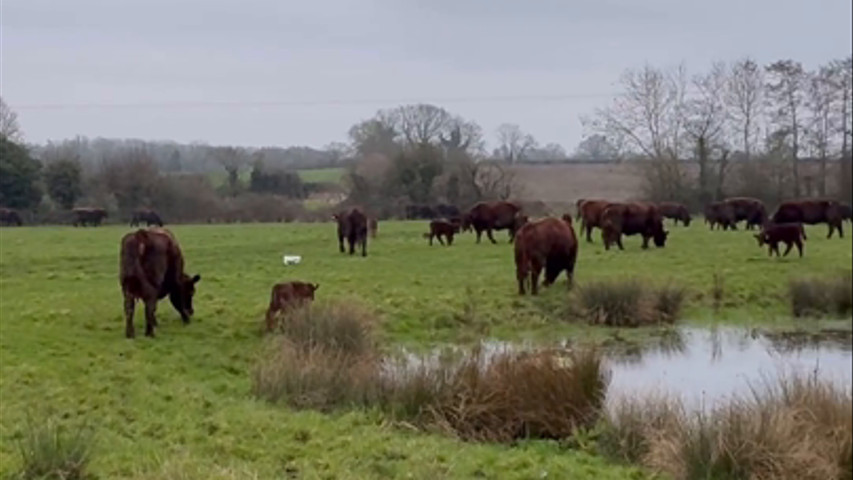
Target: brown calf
{"type": "Point", "coordinates": [288, 295]}
{"type": "Point", "coordinates": [789, 233]}
{"type": "Point", "coordinates": [439, 228]}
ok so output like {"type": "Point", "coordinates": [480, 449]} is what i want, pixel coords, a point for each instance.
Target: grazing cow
{"type": "Point", "coordinates": [590, 215]}
{"type": "Point", "coordinates": [549, 243]}
{"type": "Point", "coordinates": [789, 233]}
{"type": "Point", "coordinates": [720, 215]}
{"type": "Point", "coordinates": [150, 217]}
{"type": "Point", "coordinates": [152, 267]}
{"type": "Point", "coordinates": [373, 227]}
{"type": "Point", "coordinates": [90, 216]}
{"type": "Point", "coordinates": [287, 295]}
{"type": "Point", "coordinates": [812, 212]}
{"type": "Point", "coordinates": [442, 228]}
{"type": "Point", "coordinates": [749, 209]}
{"type": "Point", "coordinates": [352, 226]}
{"type": "Point", "coordinates": [632, 219]}
{"type": "Point", "coordinates": [10, 217]}
{"type": "Point", "coordinates": [489, 216]}
{"type": "Point", "coordinates": [675, 211]}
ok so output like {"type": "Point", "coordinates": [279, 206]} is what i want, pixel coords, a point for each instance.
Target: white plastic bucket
{"type": "Point", "coordinates": [291, 259]}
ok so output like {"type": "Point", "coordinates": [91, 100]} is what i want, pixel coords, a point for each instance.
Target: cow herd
{"type": "Point", "coordinates": [152, 263]}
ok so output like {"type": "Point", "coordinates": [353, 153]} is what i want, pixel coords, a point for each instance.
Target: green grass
{"type": "Point", "coordinates": [180, 406]}
{"type": "Point", "coordinates": [322, 175]}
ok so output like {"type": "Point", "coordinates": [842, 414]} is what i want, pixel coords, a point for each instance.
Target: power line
{"type": "Point", "coordinates": [298, 103]}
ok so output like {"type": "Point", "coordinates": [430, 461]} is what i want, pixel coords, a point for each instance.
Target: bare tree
{"type": "Point", "coordinates": [822, 100]}
{"type": "Point", "coordinates": [705, 123]}
{"type": "Point", "coordinates": [744, 97]}
{"type": "Point", "coordinates": [786, 94]}
{"type": "Point", "coordinates": [596, 147]}
{"type": "Point", "coordinates": [421, 123]}
{"type": "Point", "coordinates": [232, 160]}
{"type": "Point", "coordinates": [514, 143]}
{"type": "Point", "coordinates": [9, 126]}
{"type": "Point", "coordinates": [843, 83]}
{"type": "Point", "coordinates": [649, 114]}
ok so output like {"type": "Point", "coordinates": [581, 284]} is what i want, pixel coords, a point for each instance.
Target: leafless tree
{"type": "Point", "coordinates": [9, 126]}
{"type": "Point", "coordinates": [786, 95]}
{"type": "Point", "coordinates": [489, 180]}
{"type": "Point", "coordinates": [823, 99]}
{"type": "Point", "coordinates": [232, 160]}
{"type": "Point", "coordinates": [513, 143]}
{"type": "Point", "coordinates": [744, 97]}
{"type": "Point", "coordinates": [705, 123]}
{"type": "Point", "coordinates": [843, 83]}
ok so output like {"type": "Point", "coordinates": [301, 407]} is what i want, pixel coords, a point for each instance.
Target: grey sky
{"type": "Point", "coordinates": [171, 53]}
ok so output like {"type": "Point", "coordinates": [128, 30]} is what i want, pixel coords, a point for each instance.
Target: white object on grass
{"type": "Point", "coordinates": [291, 259]}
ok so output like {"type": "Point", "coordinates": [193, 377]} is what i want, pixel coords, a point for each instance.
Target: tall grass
{"type": "Point", "coordinates": [822, 296]}
{"type": "Point", "coordinates": [50, 451]}
{"type": "Point", "coordinates": [796, 428]}
{"type": "Point", "coordinates": [496, 397]}
{"type": "Point", "coordinates": [628, 303]}
{"type": "Point", "coordinates": [345, 326]}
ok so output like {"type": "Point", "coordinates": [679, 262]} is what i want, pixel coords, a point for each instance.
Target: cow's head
{"type": "Point", "coordinates": [567, 217]}
{"type": "Point", "coordinates": [182, 296]}
{"type": "Point", "coordinates": [660, 237]}
{"type": "Point", "coordinates": [760, 237]}
{"type": "Point", "coordinates": [466, 223]}
{"type": "Point", "coordinates": [686, 218]}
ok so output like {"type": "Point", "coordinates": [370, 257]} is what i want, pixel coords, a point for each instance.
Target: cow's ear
{"type": "Point", "coordinates": [196, 278]}
{"type": "Point", "coordinates": [315, 286]}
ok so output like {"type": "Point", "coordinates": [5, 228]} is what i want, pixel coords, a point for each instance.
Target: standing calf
{"type": "Point", "coordinates": [288, 295]}
{"type": "Point", "coordinates": [439, 228]}
{"type": "Point", "coordinates": [789, 233]}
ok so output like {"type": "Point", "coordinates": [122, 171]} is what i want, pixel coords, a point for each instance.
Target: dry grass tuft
{"type": "Point", "coordinates": [629, 303]}
{"type": "Point", "coordinates": [822, 296]}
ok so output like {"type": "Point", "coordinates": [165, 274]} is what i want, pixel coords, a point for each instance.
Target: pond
{"type": "Point", "coordinates": [701, 366]}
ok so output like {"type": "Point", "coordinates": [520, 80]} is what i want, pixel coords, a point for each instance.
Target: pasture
{"type": "Point", "coordinates": [178, 406]}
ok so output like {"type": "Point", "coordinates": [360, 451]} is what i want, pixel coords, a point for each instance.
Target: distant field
{"type": "Point", "coordinates": [569, 182]}
{"type": "Point", "coordinates": [179, 406]}
{"type": "Point", "coordinates": [322, 175]}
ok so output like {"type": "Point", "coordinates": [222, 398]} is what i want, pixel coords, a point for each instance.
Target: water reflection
{"type": "Point", "coordinates": [701, 366]}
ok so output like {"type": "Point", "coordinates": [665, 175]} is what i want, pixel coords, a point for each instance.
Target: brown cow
{"type": "Point", "coordinates": [812, 212]}
{"type": "Point", "coordinates": [720, 215]}
{"type": "Point", "coordinates": [549, 243]}
{"type": "Point", "coordinates": [789, 233]}
{"type": "Point", "coordinates": [287, 295]}
{"type": "Point", "coordinates": [590, 215]}
{"type": "Point", "coordinates": [91, 216]}
{"type": "Point", "coordinates": [10, 217]}
{"type": "Point", "coordinates": [373, 227]}
{"type": "Point", "coordinates": [488, 216]}
{"type": "Point", "coordinates": [749, 209]}
{"type": "Point", "coordinates": [152, 267]}
{"type": "Point", "coordinates": [632, 219]}
{"type": "Point", "coordinates": [439, 228]}
{"type": "Point", "coordinates": [675, 211]}
{"type": "Point", "coordinates": [352, 226]}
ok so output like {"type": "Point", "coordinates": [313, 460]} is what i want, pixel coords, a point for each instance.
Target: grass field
{"type": "Point", "coordinates": [179, 406]}
{"type": "Point", "coordinates": [322, 175]}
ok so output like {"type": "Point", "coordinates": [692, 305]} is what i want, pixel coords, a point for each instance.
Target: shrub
{"type": "Point", "coordinates": [341, 326]}
{"type": "Point", "coordinates": [628, 303]}
{"type": "Point", "coordinates": [798, 428]}
{"type": "Point", "coordinates": [50, 451]}
{"type": "Point", "coordinates": [821, 296]}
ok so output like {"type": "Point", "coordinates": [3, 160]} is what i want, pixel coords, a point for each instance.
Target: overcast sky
{"type": "Point", "coordinates": [302, 72]}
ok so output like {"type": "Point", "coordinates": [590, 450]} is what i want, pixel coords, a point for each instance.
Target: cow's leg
{"type": "Point", "coordinates": [430, 238]}
{"type": "Point", "coordinates": [351, 243]}
{"type": "Point", "coordinates": [840, 228]}
{"type": "Point", "coordinates": [491, 237]}
{"type": "Point", "coordinates": [129, 305]}
{"type": "Point", "coordinates": [150, 320]}
{"type": "Point", "coordinates": [450, 239]}
{"type": "Point", "coordinates": [799, 244]}
{"type": "Point", "coordinates": [776, 248]}
{"type": "Point", "coordinates": [364, 245]}
{"type": "Point", "coordinates": [439, 239]}
{"type": "Point", "coordinates": [521, 275]}
{"type": "Point", "coordinates": [588, 232]}
{"type": "Point", "coordinates": [341, 243]}
{"type": "Point", "coordinates": [534, 277]}
{"type": "Point", "coordinates": [619, 241]}
{"type": "Point", "coordinates": [479, 233]}
{"type": "Point", "coordinates": [645, 241]}
{"type": "Point", "coordinates": [788, 247]}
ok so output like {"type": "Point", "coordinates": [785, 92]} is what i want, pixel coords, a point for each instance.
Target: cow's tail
{"type": "Point", "coordinates": [132, 274]}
